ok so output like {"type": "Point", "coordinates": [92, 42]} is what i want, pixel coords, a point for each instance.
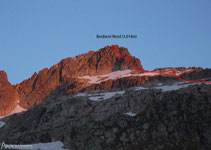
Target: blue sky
{"type": "Point", "coordinates": [35, 34]}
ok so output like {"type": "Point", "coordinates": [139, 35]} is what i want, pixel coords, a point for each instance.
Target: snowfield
{"type": "Point", "coordinates": [1, 124]}
{"type": "Point", "coordinates": [173, 87]}
{"type": "Point", "coordinates": [130, 114]}
{"type": "Point", "coordinates": [114, 75]}
{"type": "Point", "coordinates": [104, 96]}
{"type": "Point", "coordinates": [100, 96]}
{"type": "Point", "coordinates": [140, 88]}
{"type": "Point", "coordinates": [17, 109]}
{"type": "Point", "coordinates": [48, 146]}
{"type": "Point", "coordinates": [107, 95]}
{"type": "Point", "coordinates": [182, 72]}
{"type": "Point", "coordinates": [121, 74]}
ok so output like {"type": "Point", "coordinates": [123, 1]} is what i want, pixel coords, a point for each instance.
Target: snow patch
{"type": "Point", "coordinates": [159, 84]}
{"type": "Point", "coordinates": [48, 146]}
{"type": "Point", "coordinates": [104, 96]}
{"type": "Point", "coordinates": [81, 94]}
{"type": "Point", "coordinates": [165, 88]}
{"type": "Point", "coordinates": [1, 124]}
{"type": "Point", "coordinates": [123, 73]}
{"type": "Point", "coordinates": [140, 88]}
{"type": "Point", "coordinates": [114, 75]}
{"type": "Point", "coordinates": [17, 109]}
{"type": "Point", "coordinates": [175, 86]}
{"type": "Point", "coordinates": [130, 114]}
{"type": "Point", "coordinates": [182, 72]}
{"type": "Point", "coordinates": [100, 96]}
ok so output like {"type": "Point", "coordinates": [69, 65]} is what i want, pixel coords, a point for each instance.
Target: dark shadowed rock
{"type": "Point", "coordinates": [178, 120]}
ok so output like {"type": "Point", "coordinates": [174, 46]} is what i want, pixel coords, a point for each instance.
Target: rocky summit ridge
{"type": "Point", "coordinates": [95, 101]}
{"type": "Point", "coordinates": [69, 77]}
{"type": "Point", "coordinates": [62, 77]}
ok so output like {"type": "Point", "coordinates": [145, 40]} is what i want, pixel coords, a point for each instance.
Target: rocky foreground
{"type": "Point", "coordinates": [137, 118]}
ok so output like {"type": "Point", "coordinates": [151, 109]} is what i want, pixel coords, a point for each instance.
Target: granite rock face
{"type": "Point", "coordinates": [62, 77]}
{"type": "Point", "coordinates": [8, 95]}
{"type": "Point", "coordinates": [154, 116]}
{"type": "Point", "coordinates": [179, 120]}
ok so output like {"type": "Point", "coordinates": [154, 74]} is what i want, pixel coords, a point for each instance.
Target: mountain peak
{"type": "Point", "coordinates": [73, 75]}
{"type": "Point", "coordinates": [63, 77]}
{"type": "Point", "coordinates": [105, 60]}
{"type": "Point", "coordinates": [3, 75]}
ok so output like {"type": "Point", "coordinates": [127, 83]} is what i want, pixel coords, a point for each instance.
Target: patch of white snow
{"type": "Point", "coordinates": [104, 96]}
{"type": "Point", "coordinates": [100, 96]}
{"type": "Point", "coordinates": [130, 114]}
{"type": "Point", "coordinates": [121, 74]}
{"type": "Point", "coordinates": [1, 124]}
{"type": "Point", "coordinates": [114, 75]}
{"type": "Point", "coordinates": [159, 84]}
{"type": "Point", "coordinates": [17, 109]}
{"type": "Point", "coordinates": [81, 94]}
{"type": "Point", "coordinates": [48, 146]}
{"type": "Point", "coordinates": [173, 87]}
{"type": "Point", "coordinates": [140, 88]}
{"type": "Point", "coordinates": [182, 72]}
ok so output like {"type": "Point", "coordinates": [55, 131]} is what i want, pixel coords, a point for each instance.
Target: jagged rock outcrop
{"type": "Point", "coordinates": [198, 74]}
{"type": "Point", "coordinates": [62, 77]}
{"type": "Point", "coordinates": [178, 120]}
{"type": "Point", "coordinates": [8, 95]}
{"type": "Point", "coordinates": [162, 117]}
